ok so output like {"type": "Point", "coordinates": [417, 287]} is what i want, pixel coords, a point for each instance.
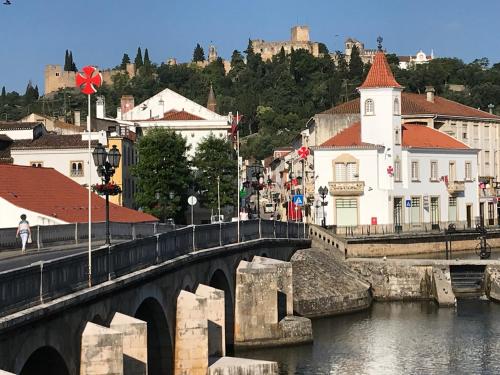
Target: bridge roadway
{"type": "Point", "coordinates": [44, 309]}
{"type": "Point", "coordinates": [12, 259]}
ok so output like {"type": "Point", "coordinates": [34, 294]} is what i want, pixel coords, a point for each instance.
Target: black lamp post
{"type": "Point", "coordinates": [496, 185]}
{"type": "Point", "coordinates": [257, 182]}
{"type": "Point", "coordinates": [106, 162]}
{"type": "Point", "coordinates": [323, 192]}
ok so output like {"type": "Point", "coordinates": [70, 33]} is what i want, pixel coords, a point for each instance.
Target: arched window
{"type": "Point", "coordinates": [369, 107]}
{"type": "Point", "coordinates": [396, 106]}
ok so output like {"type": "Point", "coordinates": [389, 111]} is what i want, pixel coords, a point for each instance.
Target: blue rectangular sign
{"type": "Point", "coordinates": [408, 203]}
{"type": "Point", "coordinates": [298, 200]}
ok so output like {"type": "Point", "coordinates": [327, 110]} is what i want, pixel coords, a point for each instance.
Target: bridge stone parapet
{"type": "Point", "coordinates": [264, 306]}
{"type": "Point", "coordinates": [492, 282]}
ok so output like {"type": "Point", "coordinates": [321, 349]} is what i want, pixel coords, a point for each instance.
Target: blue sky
{"type": "Point", "coordinates": [37, 32]}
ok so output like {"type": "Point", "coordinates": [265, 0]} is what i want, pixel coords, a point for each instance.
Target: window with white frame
{"type": "Point", "coordinates": [396, 106]}
{"type": "Point", "coordinates": [452, 173]}
{"type": "Point", "coordinates": [414, 171]}
{"type": "Point", "coordinates": [453, 129]}
{"type": "Point", "coordinates": [487, 163]}
{"type": "Point", "coordinates": [369, 107]}
{"type": "Point", "coordinates": [346, 172]}
{"type": "Point", "coordinates": [76, 168]}
{"type": "Point", "coordinates": [452, 209]}
{"type": "Point", "coordinates": [468, 171]}
{"type": "Point", "coordinates": [486, 133]}
{"type": "Point", "coordinates": [415, 210]}
{"type": "Point", "coordinates": [397, 136]}
{"type": "Point", "coordinates": [434, 170]}
{"type": "Point", "coordinates": [464, 131]}
{"type": "Point", "coordinates": [397, 171]}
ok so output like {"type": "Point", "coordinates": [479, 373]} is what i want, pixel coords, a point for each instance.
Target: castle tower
{"type": "Point", "coordinates": [212, 102]}
{"type": "Point", "coordinates": [212, 53]}
{"type": "Point", "coordinates": [380, 106]}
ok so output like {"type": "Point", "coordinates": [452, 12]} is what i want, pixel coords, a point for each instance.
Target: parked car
{"type": "Point", "coordinates": [214, 219]}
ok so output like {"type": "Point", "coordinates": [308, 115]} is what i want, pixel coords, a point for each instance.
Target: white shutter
{"type": "Point", "coordinates": [351, 172]}
{"type": "Point", "coordinates": [340, 172]}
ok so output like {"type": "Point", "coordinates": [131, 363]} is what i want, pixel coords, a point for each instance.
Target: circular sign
{"type": "Point", "coordinates": [89, 80]}
{"type": "Point", "coordinates": [303, 152]}
{"type": "Point", "coordinates": [192, 200]}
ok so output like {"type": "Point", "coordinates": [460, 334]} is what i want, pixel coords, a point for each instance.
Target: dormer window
{"type": "Point", "coordinates": [396, 107]}
{"type": "Point", "coordinates": [369, 107]}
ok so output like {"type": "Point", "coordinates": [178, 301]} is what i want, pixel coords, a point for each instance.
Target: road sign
{"type": "Point", "coordinates": [298, 200]}
{"type": "Point", "coordinates": [408, 203]}
{"type": "Point", "coordinates": [192, 200]}
{"type": "Point", "coordinates": [303, 152]}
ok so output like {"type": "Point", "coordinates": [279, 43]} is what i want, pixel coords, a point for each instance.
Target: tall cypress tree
{"type": "Point", "coordinates": [355, 64]}
{"type": "Point", "coordinates": [67, 67]}
{"type": "Point", "coordinates": [3, 92]}
{"type": "Point", "coordinates": [138, 59]}
{"type": "Point", "coordinates": [147, 61]}
{"type": "Point", "coordinates": [125, 61]}
{"type": "Point", "coordinates": [72, 65]}
{"type": "Point", "coordinates": [198, 53]}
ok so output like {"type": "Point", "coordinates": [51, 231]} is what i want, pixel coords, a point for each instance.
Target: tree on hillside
{"type": "Point", "coordinates": [147, 61]}
{"type": "Point", "coordinates": [215, 160]}
{"type": "Point", "coordinates": [198, 53]}
{"type": "Point", "coordinates": [355, 64]}
{"type": "Point", "coordinates": [31, 94]}
{"type": "Point", "coordinates": [237, 61]}
{"type": "Point", "coordinates": [138, 59]}
{"type": "Point", "coordinates": [3, 92]}
{"type": "Point", "coordinates": [67, 65]}
{"type": "Point", "coordinates": [163, 174]}
{"type": "Point", "coordinates": [322, 48]}
{"type": "Point", "coordinates": [125, 61]}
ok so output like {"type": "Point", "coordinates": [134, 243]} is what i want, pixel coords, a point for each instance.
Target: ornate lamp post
{"type": "Point", "coordinates": [323, 192]}
{"type": "Point", "coordinates": [106, 162]}
{"type": "Point", "coordinates": [257, 182]}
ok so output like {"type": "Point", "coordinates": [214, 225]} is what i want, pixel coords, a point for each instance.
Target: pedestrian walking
{"type": "Point", "coordinates": [24, 231]}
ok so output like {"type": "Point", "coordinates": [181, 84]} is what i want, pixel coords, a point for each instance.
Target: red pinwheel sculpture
{"type": "Point", "coordinates": [89, 80]}
{"type": "Point", "coordinates": [303, 152]}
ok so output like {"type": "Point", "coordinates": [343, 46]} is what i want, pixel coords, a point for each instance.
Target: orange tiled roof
{"type": "Point", "coordinates": [417, 104]}
{"type": "Point", "coordinates": [50, 193]}
{"type": "Point", "coordinates": [380, 74]}
{"type": "Point", "coordinates": [180, 116]}
{"type": "Point", "coordinates": [414, 136]}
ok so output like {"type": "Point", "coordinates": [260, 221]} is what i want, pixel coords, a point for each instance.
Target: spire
{"type": "Point", "coordinates": [211, 102]}
{"type": "Point", "coordinates": [380, 74]}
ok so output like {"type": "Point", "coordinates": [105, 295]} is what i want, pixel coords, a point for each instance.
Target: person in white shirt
{"type": "Point", "coordinates": [23, 231]}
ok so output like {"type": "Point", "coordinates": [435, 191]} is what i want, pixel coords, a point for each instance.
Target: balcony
{"type": "Point", "coordinates": [347, 188]}
{"type": "Point", "coordinates": [456, 187]}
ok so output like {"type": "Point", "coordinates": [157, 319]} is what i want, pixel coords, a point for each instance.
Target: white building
{"type": "Point", "coordinates": [406, 62]}
{"type": "Point", "coordinates": [170, 110]}
{"type": "Point", "coordinates": [381, 171]}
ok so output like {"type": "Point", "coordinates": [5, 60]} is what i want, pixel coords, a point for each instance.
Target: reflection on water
{"type": "Point", "coordinates": [398, 338]}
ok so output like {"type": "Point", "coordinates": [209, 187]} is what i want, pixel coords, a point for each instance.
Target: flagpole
{"type": "Point", "coordinates": [90, 193]}
{"type": "Point", "coordinates": [238, 167]}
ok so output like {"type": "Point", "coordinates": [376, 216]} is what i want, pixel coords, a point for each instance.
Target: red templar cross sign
{"type": "Point", "coordinates": [89, 80]}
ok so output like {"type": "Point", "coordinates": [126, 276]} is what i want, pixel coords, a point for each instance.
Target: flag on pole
{"type": "Point", "coordinates": [235, 120]}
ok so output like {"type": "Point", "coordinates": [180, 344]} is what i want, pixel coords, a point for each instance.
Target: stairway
{"type": "Point", "coordinates": [467, 281]}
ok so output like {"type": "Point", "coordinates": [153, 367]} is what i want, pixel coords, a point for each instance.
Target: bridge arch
{"type": "Point", "coordinates": [160, 348]}
{"type": "Point", "coordinates": [45, 361]}
{"type": "Point", "coordinates": [219, 280]}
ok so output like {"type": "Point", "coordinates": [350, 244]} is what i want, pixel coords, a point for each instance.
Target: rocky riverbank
{"type": "Point", "coordinates": [324, 285]}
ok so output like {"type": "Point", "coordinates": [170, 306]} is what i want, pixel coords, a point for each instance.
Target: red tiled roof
{"type": "Point", "coordinates": [417, 104]}
{"type": "Point", "coordinates": [180, 116]}
{"type": "Point", "coordinates": [380, 74]}
{"type": "Point", "coordinates": [50, 193]}
{"type": "Point", "coordinates": [414, 136]}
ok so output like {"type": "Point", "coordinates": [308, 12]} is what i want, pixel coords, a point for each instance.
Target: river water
{"type": "Point", "coordinates": [398, 338]}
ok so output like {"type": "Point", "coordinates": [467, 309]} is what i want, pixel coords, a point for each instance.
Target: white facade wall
{"type": "Point", "coordinates": [18, 134]}
{"type": "Point", "coordinates": [11, 216]}
{"type": "Point", "coordinates": [194, 132]}
{"type": "Point", "coordinates": [167, 100]}
{"type": "Point", "coordinates": [377, 201]}
{"type": "Point", "coordinates": [60, 160]}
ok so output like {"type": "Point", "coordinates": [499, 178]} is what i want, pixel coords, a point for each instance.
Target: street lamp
{"type": "Point", "coordinates": [257, 182]}
{"type": "Point", "coordinates": [323, 192]}
{"type": "Point", "coordinates": [106, 162]}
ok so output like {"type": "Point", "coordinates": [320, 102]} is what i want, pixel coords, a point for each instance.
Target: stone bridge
{"type": "Point", "coordinates": [46, 307]}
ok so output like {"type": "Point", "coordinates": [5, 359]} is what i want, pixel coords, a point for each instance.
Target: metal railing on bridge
{"type": "Point", "coordinates": [44, 235]}
{"type": "Point", "coordinates": [40, 282]}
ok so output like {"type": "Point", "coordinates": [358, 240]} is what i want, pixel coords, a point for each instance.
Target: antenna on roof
{"type": "Point", "coordinates": [379, 43]}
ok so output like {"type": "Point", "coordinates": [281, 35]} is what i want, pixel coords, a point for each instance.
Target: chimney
{"type": "Point", "coordinates": [77, 121]}
{"type": "Point", "coordinates": [429, 90]}
{"type": "Point", "coordinates": [100, 109]}
{"type": "Point", "coordinates": [127, 103]}
{"type": "Point", "coordinates": [490, 108]}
